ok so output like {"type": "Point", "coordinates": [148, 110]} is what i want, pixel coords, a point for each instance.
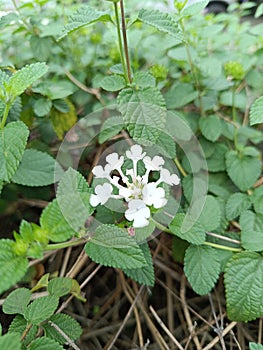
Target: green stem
{"type": "Point", "coordinates": [5, 115]}
{"type": "Point", "coordinates": [62, 245]}
{"type": "Point", "coordinates": [125, 42]}
{"type": "Point", "coordinates": [234, 114]}
{"type": "Point", "coordinates": [120, 43]}
{"type": "Point", "coordinates": [179, 166]}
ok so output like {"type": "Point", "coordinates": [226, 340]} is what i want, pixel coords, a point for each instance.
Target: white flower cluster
{"type": "Point", "coordinates": [137, 191]}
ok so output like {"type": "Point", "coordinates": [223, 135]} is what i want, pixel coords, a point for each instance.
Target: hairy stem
{"type": "Point", "coordinates": [62, 245]}
{"type": "Point", "coordinates": [125, 42]}
{"type": "Point", "coordinates": [5, 115]}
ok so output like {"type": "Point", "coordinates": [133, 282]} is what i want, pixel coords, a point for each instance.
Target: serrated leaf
{"type": "Point", "coordinates": [12, 267]}
{"type": "Point", "coordinates": [194, 8]}
{"type": "Point", "coordinates": [143, 112]}
{"type": "Point", "coordinates": [202, 268]}
{"type": "Point", "coordinates": [111, 127]}
{"type": "Point", "coordinates": [45, 343]}
{"type": "Point", "coordinates": [256, 112]}
{"type": "Point", "coordinates": [42, 107]}
{"type": "Point", "coordinates": [210, 127]}
{"type": "Point", "coordinates": [244, 286]}
{"type": "Point", "coordinates": [144, 79]}
{"type": "Point", "coordinates": [17, 301]}
{"type": "Point", "coordinates": [257, 199]}
{"type": "Point", "coordinates": [53, 221]}
{"type": "Point", "coordinates": [194, 234]}
{"type": "Point", "coordinates": [25, 77]}
{"type": "Point", "coordinates": [243, 170]}
{"type": "Point", "coordinates": [164, 22]}
{"type": "Point", "coordinates": [112, 246]}
{"type": "Point", "coordinates": [13, 138]}
{"type": "Point", "coordinates": [60, 286]}
{"type": "Point", "coordinates": [73, 196]}
{"type": "Point", "coordinates": [251, 231]}
{"type": "Point", "coordinates": [145, 274]}
{"type": "Point", "coordinates": [10, 342]}
{"type": "Point", "coordinates": [36, 169]}
{"type": "Point", "coordinates": [209, 210]}
{"type": "Point", "coordinates": [83, 17]}
{"type": "Point", "coordinates": [62, 122]}
{"type": "Point", "coordinates": [236, 204]}
{"type": "Point", "coordinates": [41, 47]}
{"type": "Point", "coordinates": [67, 324]}
{"type": "Point", "coordinates": [19, 324]}
{"type": "Point", "coordinates": [216, 162]}
{"type": "Point", "coordinates": [112, 83]}
{"type": "Point", "coordinates": [41, 309]}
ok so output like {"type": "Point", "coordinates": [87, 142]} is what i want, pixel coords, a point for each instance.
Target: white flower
{"type": "Point", "coordinates": [166, 177]}
{"type": "Point", "coordinates": [138, 212]}
{"type": "Point", "coordinates": [116, 163]}
{"type": "Point", "coordinates": [101, 173]}
{"type": "Point", "coordinates": [135, 153]}
{"type": "Point", "coordinates": [153, 195]}
{"type": "Point", "coordinates": [154, 164]}
{"type": "Point", "coordinates": [103, 193]}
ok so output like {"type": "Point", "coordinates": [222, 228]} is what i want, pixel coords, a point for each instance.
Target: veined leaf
{"type": "Point", "coordinates": [236, 204]}
{"type": "Point", "coordinates": [144, 274]}
{"type": "Point", "coordinates": [3, 80]}
{"type": "Point", "coordinates": [19, 324]}
{"type": "Point", "coordinates": [244, 286]}
{"type": "Point", "coordinates": [13, 138]}
{"type": "Point", "coordinates": [17, 301]}
{"type": "Point", "coordinates": [41, 309]}
{"type": "Point", "coordinates": [112, 83]}
{"type": "Point", "coordinates": [12, 267]}
{"type": "Point", "coordinates": [25, 77]}
{"type": "Point", "coordinates": [194, 8]}
{"type": "Point", "coordinates": [242, 169]}
{"type": "Point", "coordinates": [83, 17]}
{"type": "Point", "coordinates": [36, 169]}
{"type": "Point", "coordinates": [252, 231]}
{"type": "Point", "coordinates": [257, 199]}
{"type": "Point", "coordinates": [164, 22]}
{"type": "Point", "coordinates": [112, 246]}
{"type": "Point", "coordinates": [210, 127]}
{"type": "Point", "coordinates": [67, 324]}
{"type": "Point", "coordinates": [60, 286]}
{"type": "Point", "coordinates": [53, 221]}
{"type": "Point", "coordinates": [73, 197]}
{"type": "Point", "coordinates": [45, 343]}
{"type": "Point", "coordinates": [256, 112]}
{"type": "Point", "coordinates": [10, 342]}
{"type": "Point", "coordinates": [110, 128]}
{"type": "Point", "coordinates": [202, 268]}
{"type": "Point", "coordinates": [143, 112]}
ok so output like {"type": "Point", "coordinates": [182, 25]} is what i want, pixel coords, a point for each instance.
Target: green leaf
{"type": "Point", "coordinates": [53, 221]}
{"type": "Point", "coordinates": [41, 47]}
{"type": "Point", "coordinates": [112, 246]}
{"type": "Point", "coordinates": [210, 127]}
{"type": "Point", "coordinates": [73, 197]}
{"type": "Point", "coordinates": [164, 22]}
{"type": "Point", "coordinates": [45, 343]}
{"type": "Point", "coordinates": [12, 266]}
{"type": "Point", "coordinates": [36, 169]}
{"type": "Point", "coordinates": [256, 112]}
{"type": "Point", "coordinates": [243, 170]}
{"type": "Point", "coordinates": [67, 324]}
{"type": "Point", "coordinates": [60, 286]}
{"type": "Point", "coordinates": [254, 346]}
{"type": "Point", "coordinates": [194, 234]}
{"type": "Point", "coordinates": [194, 8]}
{"type": "Point", "coordinates": [13, 138]}
{"type": "Point", "coordinates": [236, 204]}
{"type": "Point", "coordinates": [42, 107]}
{"type": "Point", "coordinates": [41, 309]}
{"type": "Point", "coordinates": [145, 274]}
{"type": "Point", "coordinates": [10, 342]}
{"type": "Point", "coordinates": [111, 127]}
{"type": "Point", "coordinates": [112, 83]}
{"type": "Point", "coordinates": [144, 80]}
{"type": "Point", "coordinates": [210, 213]}
{"type": "Point", "coordinates": [17, 301]}
{"type": "Point", "coordinates": [142, 233]}
{"type": "Point", "coordinates": [25, 77]}
{"type": "Point", "coordinates": [83, 17]}
{"type": "Point", "coordinates": [202, 268]}
{"type": "Point", "coordinates": [144, 113]}
{"type": "Point", "coordinates": [257, 199]}
{"type": "Point", "coordinates": [180, 95]}
{"type": "Point", "coordinates": [251, 231]}
{"type": "Point", "coordinates": [18, 325]}
{"type": "Point", "coordinates": [244, 286]}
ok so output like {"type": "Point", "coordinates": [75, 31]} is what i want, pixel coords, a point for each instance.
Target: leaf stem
{"type": "Point", "coordinates": [62, 245]}
{"type": "Point", "coordinates": [5, 115]}
{"type": "Point", "coordinates": [125, 42]}
{"type": "Point", "coordinates": [179, 166]}
{"type": "Point", "coordinates": [120, 42]}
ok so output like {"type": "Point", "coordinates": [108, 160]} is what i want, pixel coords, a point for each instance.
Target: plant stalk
{"type": "Point", "coordinates": [5, 115]}
{"type": "Point", "coordinates": [125, 42]}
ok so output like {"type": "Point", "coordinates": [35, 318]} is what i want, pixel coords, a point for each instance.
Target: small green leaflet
{"type": "Point", "coordinates": [112, 246]}
{"type": "Point", "coordinates": [41, 309]}
{"type": "Point", "coordinates": [12, 267]}
{"type": "Point", "coordinates": [45, 343]}
{"type": "Point", "coordinates": [244, 286]}
{"type": "Point", "coordinates": [254, 346]}
{"type": "Point", "coordinates": [236, 204]}
{"type": "Point", "coordinates": [19, 324]}
{"type": "Point", "coordinates": [251, 231]}
{"type": "Point", "coordinates": [112, 83]}
{"type": "Point", "coordinates": [256, 112]}
{"type": "Point", "coordinates": [210, 127]}
{"type": "Point", "coordinates": [202, 268]}
{"type": "Point", "coordinates": [17, 301]}
{"type": "Point", "coordinates": [60, 286]}
{"type": "Point", "coordinates": [195, 8]}
{"type": "Point", "coordinates": [164, 22]}
{"type": "Point", "coordinates": [111, 127]}
{"type": "Point", "coordinates": [243, 170]}
{"type": "Point", "coordinates": [36, 169]}
{"type": "Point", "coordinates": [10, 342]}
{"type": "Point", "coordinates": [13, 140]}
{"type": "Point", "coordinates": [83, 17]}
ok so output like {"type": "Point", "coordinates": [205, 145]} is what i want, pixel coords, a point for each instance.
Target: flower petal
{"type": "Point", "coordinates": [153, 195]}
{"type": "Point", "coordinates": [135, 153]}
{"type": "Point", "coordinates": [166, 177]}
{"type": "Point", "coordinates": [138, 212]}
